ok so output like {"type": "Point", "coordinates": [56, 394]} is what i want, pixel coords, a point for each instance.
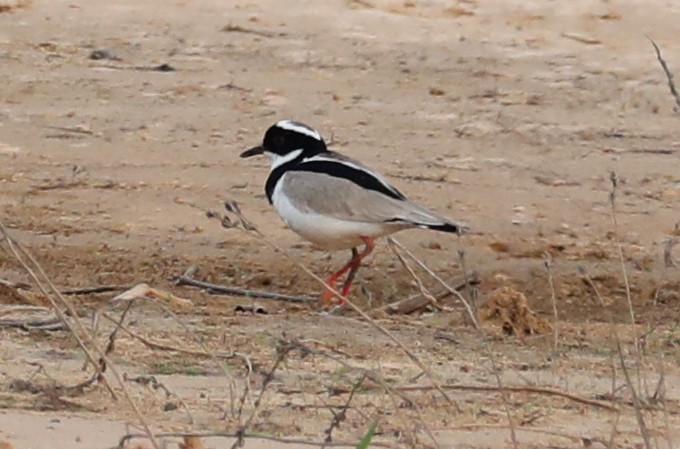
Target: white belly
{"type": "Point", "coordinates": [327, 232]}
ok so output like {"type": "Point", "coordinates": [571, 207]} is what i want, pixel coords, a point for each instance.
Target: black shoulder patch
{"type": "Point", "coordinates": [340, 170]}
{"type": "Point", "coordinates": [273, 178]}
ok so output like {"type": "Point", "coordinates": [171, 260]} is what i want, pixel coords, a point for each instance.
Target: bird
{"type": "Point", "coordinates": [336, 202]}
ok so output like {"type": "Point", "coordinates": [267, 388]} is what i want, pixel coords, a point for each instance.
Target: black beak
{"type": "Point", "coordinates": [254, 151]}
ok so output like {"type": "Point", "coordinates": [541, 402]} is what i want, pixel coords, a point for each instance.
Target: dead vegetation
{"type": "Point", "coordinates": [553, 324]}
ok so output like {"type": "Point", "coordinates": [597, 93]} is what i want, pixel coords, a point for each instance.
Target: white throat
{"type": "Point", "coordinates": [276, 160]}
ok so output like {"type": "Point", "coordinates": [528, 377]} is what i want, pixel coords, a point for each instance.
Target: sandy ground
{"type": "Point", "coordinates": [509, 116]}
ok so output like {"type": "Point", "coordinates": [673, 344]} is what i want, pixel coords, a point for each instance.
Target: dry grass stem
{"type": "Point", "coordinates": [19, 253]}
{"type": "Point", "coordinates": [418, 301]}
{"type": "Point", "coordinates": [151, 344]}
{"type": "Point", "coordinates": [636, 400]}
{"type": "Point", "coordinates": [199, 341]}
{"type": "Point", "coordinates": [586, 441]}
{"type": "Point", "coordinates": [547, 263]}
{"type": "Point", "coordinates": [375, 377]}
{"type": "Point", "coordinates": [341, 415]}
{"type": "Point", "coordinates": [668, 252]}
{"type": "Point", "coordinates": [244, 224]}
{"type": "Point", "coordinates": [450, 289]}
{"type": "Point", "coordinates": [237, 435]}
{"type": "Point", "coordinates": [515, 389]}
{"type": "Point", "coordinates": [431, 300]}
{"type": "Point", "coordinates": [187, 278]}
{"type": "Point", "coordinates": [281, 354]}
{"type": "Point", "coordinates": [669, 75]}
{"type": "Point", "coordinates": [504, 396]}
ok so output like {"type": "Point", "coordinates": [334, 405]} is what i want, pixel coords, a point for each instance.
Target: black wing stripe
{"type": "Point", "coordinates": [355, 175]}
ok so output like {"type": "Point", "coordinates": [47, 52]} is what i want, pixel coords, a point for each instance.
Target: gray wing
{"type": "Point", "coordinates": [343, 199]}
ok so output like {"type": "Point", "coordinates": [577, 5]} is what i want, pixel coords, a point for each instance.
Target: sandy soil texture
{"type": "Point", "coordinates": [121, 123]}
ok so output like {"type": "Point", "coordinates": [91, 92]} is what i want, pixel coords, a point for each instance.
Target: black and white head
{"type": "Point", "coordinates": [286, 141]}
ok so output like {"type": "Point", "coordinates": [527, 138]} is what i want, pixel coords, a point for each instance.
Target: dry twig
{"type": "Point", "coordinates": [341, 415]}
{"type": "Point", "coordinates": [154, 383]}
{"type": "Point", "coordinates": [668, 252]}
{"type": "Point", "coordinates": [503, 393]}
{"type": "Point", "coordinates": [75, 327]}
{"type": "Point", "coordinates": [282, 351]}
{"type": "Point", "coordinates": [187, 278]}
{"type": "Point", "coordinates": [32, 318]}
{"type": "Point", "coordinates": [418, 301]}
{"type": "Point", "coordinates": [238, 435]}
{"type": "Point", "coordinates": [375, 377]}
{"type": "Point", "coordinates": [431, 300]}
{"type": "Point", "coordinates": [586, 441]}
{"type": "Point", "coordinates": [244, 224]}
{"type": "Point", "coordinates": [669, 75]}
{"type": "Point", "coordinates": [95, 289]}
{"type": "Point", "coordinates": [452, 290]}
{"type": "Point", "coordinates": [514, 389]}
{"type": "Point", "coordinates": [151, 344]}
{"type": "Point", "coordinates": [547, 263]}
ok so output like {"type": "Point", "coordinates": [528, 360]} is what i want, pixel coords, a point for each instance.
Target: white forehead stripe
{"type": "Point", "coordinates": [298, 127]}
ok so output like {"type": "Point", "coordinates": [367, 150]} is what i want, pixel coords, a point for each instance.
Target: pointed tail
{"type": "Point", "coordinates": [454, 228]}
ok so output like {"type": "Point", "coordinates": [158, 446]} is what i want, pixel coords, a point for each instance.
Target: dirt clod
{"type": "Point", "coordinates": [509, 308]}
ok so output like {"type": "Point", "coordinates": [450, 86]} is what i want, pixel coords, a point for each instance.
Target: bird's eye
{"type": "Point", "coordinates": [279, 141]}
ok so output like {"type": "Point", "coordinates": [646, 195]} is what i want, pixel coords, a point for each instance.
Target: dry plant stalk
{"type": "Point", "coordinates": [282, 353]}
{"type": "Point", "coordinates": [423, 291]}
{"type": "Point", "coordinates": [636, 342]}
{"type": "Point", "coordinates": [244, 224]}
{"type": "Point", "coordinates": [187, 278]}
{"type": "Point", "coordinates": [339, 417]}
{"type": "Point", "coordinates": [516, 389]}
{"type": "Point", "coordinates": [450, 289]}
{"type": "Point", "coordinates": [392, 392]}
{"type": "Point", "coordinates": [668, 252]}
{"type": "Point", "coordinates": [669, 75]}
{"type": "Point", "coordinates": [547, 263]}
{"type": "Point", "coordinates": [151, 344]}
{"type": "Point", "coordinates": [205, 351]}
{"type": "Point", "coordinates": [57, 301]}
{"type": "Point", "coordinates": [504, 397]}
{"type": "Point", "coordinates": [301, 442]}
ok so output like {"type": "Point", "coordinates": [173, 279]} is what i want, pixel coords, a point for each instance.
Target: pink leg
{"type": "Point", "coordinates": [352, 266]}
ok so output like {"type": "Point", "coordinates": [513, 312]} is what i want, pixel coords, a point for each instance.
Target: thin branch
{"type": "Point", "coordinates": [96, 289]}
{"type": "Point", "coordinates": [166, 347]}
{"type": "Point", "coordinates": [373, 376]}
{"type": "Point", "coordinates": [668, 252]}
{"type": "Point", "coordinates": [547, 262]}
{"type": "Point", "coordinates": [585, 441]}
{"type": "Point", "coordinates": [669, 75]}
{"type": "Point", "coordinates": [341, 415]}
{"type": "Point", "coordinates": [431, 300]}
{"type": "Point", "coordinates": [237, 435]}
{"type": "Point", "coordinates": [452, 290]}
{"type": "Point", "coordinates": [495, 368]}
{"type": "Point", "coordinates": [33, 321]}
{"type": "Point", "coordinates": [418, 301]}
{"type": "Point", "coordinates": [202, 345]}
{"type": "Point", "coordinates": [15, 285]}
{"type": "Point", "coordinates": [244, 224]}
{"type": "Point", "coordinates": [18, 251]}
{"type": "Point", "coordinates": [636, 400]}
{"type": "Point", "coordinates": [547, 391]}
{"type": "Point", "coordinates": [282, 352]}
{"type": "Point", "coordinates": [187, 279]}
{"type": "Point", "coordinates": [154, 383]}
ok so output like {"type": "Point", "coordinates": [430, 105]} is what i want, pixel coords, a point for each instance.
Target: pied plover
{"type": "Point", "coordinates": [334, 201]}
